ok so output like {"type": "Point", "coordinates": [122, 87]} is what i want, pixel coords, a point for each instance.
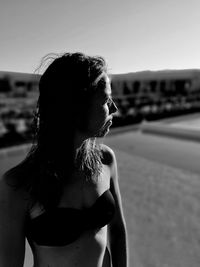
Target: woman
{"type": "Point", "coordinates": [64, 196]}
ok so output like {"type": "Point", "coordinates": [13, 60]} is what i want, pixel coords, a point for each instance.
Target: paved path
{"type": "Point", "coordinates": [160, 187]}
{"type": "Point", "coordinates": [173, 152]}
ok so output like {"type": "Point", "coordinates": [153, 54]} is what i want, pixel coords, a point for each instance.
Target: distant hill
{"type": "Point", "coordinates": [158, 75]}
{"type": "Point", "coordinates": [140, 75]}
{"type": "Point", "coordinates": [20, 75]}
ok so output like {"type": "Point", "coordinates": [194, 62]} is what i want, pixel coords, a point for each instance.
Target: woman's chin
{"type": "Point", "coordinates": [103, 132]}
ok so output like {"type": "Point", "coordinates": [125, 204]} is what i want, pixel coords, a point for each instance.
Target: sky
{"type": "Point", "coordinates": [132, 35]}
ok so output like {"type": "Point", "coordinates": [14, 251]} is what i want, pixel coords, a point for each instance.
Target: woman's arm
{"type": "Point", "coordinates": [12, 219]}
{"type": "Point", "coordinates": [117, 232]}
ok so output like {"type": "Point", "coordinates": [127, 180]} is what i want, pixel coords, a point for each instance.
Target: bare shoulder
{"type": "Point", "coordinates": [109, 157]}
{"type": "Point", "coordinates": [108, 154]}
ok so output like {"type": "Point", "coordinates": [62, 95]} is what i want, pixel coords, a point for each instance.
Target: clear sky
{"type": "Point", "coordinates": [132, 35]}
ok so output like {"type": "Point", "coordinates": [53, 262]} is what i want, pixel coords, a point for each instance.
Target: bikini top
{"type": "Point", "coordinates": [61, 226]}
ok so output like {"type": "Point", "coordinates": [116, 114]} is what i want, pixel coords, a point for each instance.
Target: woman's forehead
{"type": "Point", "coordinates": [103, 81]}
{"type": "Point", "coordinates": [103, 84]}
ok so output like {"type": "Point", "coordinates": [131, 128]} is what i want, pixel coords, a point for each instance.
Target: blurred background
{"type": "Point", "coordinates": [153, 54]}
{"type": "Point", "coordinates": [139, 96]}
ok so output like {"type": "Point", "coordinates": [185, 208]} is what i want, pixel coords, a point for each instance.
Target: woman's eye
{"type": "Point", "coordinates": [109, 102]}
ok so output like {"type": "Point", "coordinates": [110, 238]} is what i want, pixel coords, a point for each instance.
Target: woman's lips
{"type": "Point", "coordinates": [109, 123]}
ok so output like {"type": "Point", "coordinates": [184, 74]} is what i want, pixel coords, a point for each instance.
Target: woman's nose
{"type": "Point", "coordinates": [113, 108]}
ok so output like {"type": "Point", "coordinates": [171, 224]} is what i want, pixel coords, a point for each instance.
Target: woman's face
{"type": "Point", "coordinates": [101, 109]}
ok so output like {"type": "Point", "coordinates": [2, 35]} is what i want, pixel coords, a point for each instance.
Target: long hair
{"type": "Point", "coordinates": [65, 91]}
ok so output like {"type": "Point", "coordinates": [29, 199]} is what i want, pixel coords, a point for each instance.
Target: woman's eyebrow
{"type": "Point", "coordinates": [101, 82]}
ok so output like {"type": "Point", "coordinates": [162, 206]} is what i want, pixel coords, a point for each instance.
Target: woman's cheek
{"type": "Point", "coordinates": [105, 109]}
{"type": "Point", "coordinates": [107, 112]}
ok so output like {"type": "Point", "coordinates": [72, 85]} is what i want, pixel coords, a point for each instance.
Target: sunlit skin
{"type": "Point", "coordinates": [102, 109]}
{"type": "Point", "coordinates": [100, 112]}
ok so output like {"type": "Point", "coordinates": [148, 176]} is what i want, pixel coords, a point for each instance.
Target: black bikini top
{"type": "Point", "coordinates": [61, 226]}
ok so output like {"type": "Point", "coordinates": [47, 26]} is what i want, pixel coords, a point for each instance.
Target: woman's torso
{"type": "Point", "coordinates": [88, 248]}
